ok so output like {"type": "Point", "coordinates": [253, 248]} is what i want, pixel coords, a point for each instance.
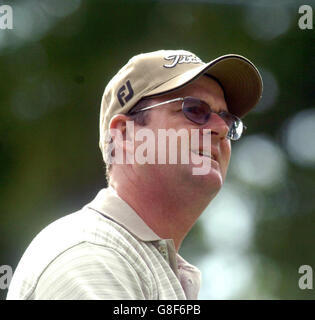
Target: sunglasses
{"type": "Point", "coordinates": [199, 112]}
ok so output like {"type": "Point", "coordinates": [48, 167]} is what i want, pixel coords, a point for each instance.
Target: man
{"type": "Point", "coordinates": [124, 244]}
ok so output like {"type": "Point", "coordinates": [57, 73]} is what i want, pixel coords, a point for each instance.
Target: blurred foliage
{"type": "Point", "coordinates": [51, 83]}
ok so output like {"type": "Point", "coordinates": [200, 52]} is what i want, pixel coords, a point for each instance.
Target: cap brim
{"type": "Point", "coordinates": [240, 79]}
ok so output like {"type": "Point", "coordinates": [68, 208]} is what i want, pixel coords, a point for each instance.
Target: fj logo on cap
{"type": "Point", "coordinates": [121, 95]}
{"type": "Point", "coordinates": [179, 59]}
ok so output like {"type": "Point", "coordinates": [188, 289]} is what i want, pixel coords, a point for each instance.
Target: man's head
{"type": "Point", "coordinates": [169, 118]}
{"type": "Point", "coordinates": [159, 76]}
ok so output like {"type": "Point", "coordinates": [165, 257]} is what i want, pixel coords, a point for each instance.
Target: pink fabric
{"type": "Point", "coordinates": [189, 277]}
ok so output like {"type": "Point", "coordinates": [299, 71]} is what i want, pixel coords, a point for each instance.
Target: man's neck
{"type": "Point", "coordinates": [169, 213]}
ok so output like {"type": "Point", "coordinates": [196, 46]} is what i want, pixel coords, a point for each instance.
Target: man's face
{"type": "Point", "coordinates": [170, 116]}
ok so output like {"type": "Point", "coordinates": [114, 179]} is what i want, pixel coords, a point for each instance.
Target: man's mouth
{"type": "Point", "coordinates": [204, 153]}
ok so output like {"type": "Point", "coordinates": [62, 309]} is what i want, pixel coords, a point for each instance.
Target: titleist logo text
{"type": "Point", "coordinates": [179, 59]}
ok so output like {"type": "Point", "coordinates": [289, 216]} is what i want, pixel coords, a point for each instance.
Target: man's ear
{"type": "Point", "coordinates": [122, 131]}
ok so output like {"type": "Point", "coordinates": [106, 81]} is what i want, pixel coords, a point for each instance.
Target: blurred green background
{"type": "Point", "coordinates": [54, 65]}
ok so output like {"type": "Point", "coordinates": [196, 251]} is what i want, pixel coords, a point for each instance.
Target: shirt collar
{"type": "Point", "coordinates": [108, 203]}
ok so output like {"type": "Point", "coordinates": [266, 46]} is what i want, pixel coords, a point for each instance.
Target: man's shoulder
{"type": "Point", "coordinates": [85, 225]}
{"type": "Point", "coordinates": [69, 230]}
{"type": "Point", "coordinates": [60, 236]}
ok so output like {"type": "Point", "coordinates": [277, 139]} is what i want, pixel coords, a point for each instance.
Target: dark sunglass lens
{"type": "Point", "coordinates": [196, 110]}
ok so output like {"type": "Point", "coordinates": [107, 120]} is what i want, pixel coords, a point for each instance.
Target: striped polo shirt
{"type": "Point", "coordinates": [103, 251]}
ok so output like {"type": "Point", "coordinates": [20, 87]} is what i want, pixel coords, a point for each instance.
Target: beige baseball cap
{"type": "Point", "coordinates": [163, 71]}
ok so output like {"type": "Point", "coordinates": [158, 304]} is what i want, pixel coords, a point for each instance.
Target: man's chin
{"type": "Point", "coordinates": [208, 178]}
{"type": "Point", "coordinates": [213, 179]}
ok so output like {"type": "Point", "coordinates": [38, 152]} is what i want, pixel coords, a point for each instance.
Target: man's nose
{"type": "Point", "coordinates": [218, 126]}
